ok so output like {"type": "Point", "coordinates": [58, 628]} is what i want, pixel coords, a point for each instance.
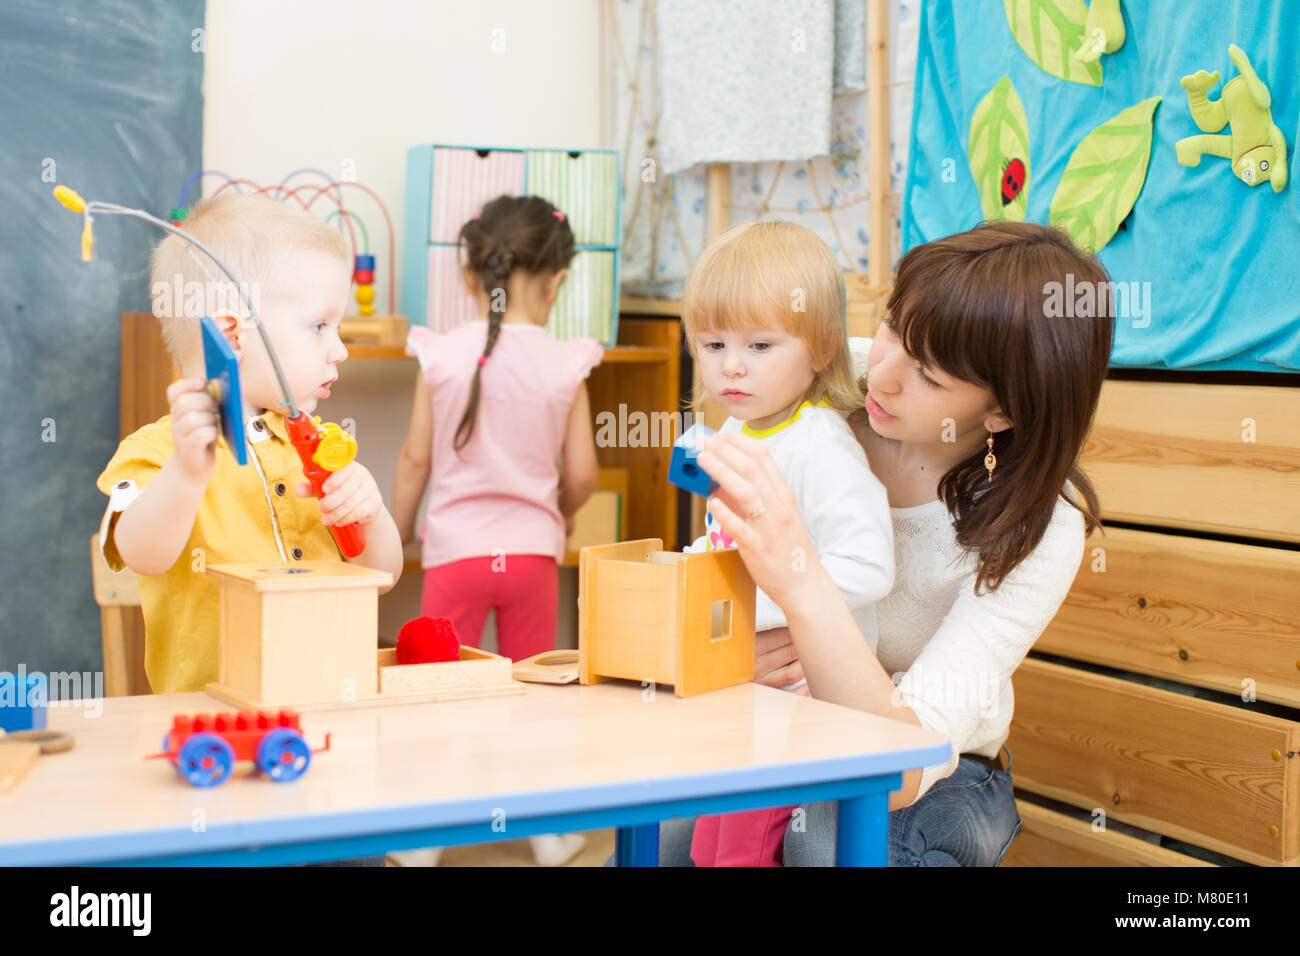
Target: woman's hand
{"type": "Point", "coordinates": [776, 663]}
{"type": "Point", "coordinates": [755, 507]}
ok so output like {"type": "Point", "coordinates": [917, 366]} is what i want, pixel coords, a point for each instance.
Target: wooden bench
{"type": "Point", "coordinates": [1163, 694]}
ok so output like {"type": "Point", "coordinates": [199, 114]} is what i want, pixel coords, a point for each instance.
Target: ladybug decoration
{"type": "Point", "coordinates": [1013, 180]}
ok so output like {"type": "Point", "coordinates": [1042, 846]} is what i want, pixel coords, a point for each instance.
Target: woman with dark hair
{"type": "Point", "coordinates": [979, 396]}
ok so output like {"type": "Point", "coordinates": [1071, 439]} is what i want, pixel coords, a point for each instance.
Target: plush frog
{"type": "Point", "coordinates": [1253, 144]}
{"type": "Point", "coordinates": [1103, 31]}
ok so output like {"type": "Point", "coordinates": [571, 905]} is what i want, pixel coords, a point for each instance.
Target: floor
{"type": "Point", "coordinates": [599, 848]}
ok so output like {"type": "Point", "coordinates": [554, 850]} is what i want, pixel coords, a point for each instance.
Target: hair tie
{"type": "Point", "coordinates": [557, 214]}
{"type": "Point", "coordinates": [482, 360]}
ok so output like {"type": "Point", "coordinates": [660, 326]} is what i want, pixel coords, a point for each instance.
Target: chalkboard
{"type": "Point", "coordinates": [103, 96]}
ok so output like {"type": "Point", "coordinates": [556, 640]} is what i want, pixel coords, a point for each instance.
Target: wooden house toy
{"type": "Point", "coordinates": [306, 636]}
{"type": "Point", "coordinates": [646, 614]}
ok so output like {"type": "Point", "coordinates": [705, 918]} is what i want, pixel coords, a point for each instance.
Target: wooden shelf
{"type": "Point", "coordinates": [619, 353]}
{"type": "Point", "coordinates": [643, 305]}
{"type": "Point", "coordinates": [638, 353]}
{"type": "Point", "coordinates": [359, 350]}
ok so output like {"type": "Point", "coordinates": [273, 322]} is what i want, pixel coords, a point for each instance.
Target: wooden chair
{"type": "Point", "coordinates": [122, 624]}
{"type": "Point", "coordinates": [1166, 700]}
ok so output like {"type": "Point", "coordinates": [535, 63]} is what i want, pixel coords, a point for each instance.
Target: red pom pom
{"type": "Point", "coordinates": [427, 640]}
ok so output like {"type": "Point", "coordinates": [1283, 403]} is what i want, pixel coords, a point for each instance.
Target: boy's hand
{"type": "Point", "coordinates": [351, 494]}
{"type": "Point", "coordinates": [194, 427]}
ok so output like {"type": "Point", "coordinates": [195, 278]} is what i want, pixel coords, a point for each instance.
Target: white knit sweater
{"type": "Point", "coordinates": [950, 652]}
{"type": "Point", "coordinates": [844, 507]}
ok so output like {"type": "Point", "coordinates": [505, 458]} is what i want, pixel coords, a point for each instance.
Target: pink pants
{"type": "Point", "coordinates": [522, 589]}
{"type": "Point", "coordinates": [743, 838]}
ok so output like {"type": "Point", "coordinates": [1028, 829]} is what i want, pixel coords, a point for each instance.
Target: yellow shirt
{"type": "Point", "coordinates": [248, 513]}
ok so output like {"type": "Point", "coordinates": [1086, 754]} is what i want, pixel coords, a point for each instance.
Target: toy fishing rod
{"type": "Point", "coordinates": [323, 447]}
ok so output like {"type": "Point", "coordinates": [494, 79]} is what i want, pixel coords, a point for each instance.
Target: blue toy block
{"type": "Point", "coordinates": [222, 369]}
{"type": "Point", "coordinates": [683, 470]}
{"type": "Point", "coordinates": [23, 699]}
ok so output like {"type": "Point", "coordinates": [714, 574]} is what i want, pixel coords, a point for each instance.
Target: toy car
{"type": "Point", "coordinates": [204, 748]}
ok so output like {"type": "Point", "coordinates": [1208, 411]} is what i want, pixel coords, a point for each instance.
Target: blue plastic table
{"type": "Point", "coordinates": [554, 759]}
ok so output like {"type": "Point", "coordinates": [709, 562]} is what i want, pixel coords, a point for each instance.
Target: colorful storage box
{"type": "Point", "coordinates": [448, 185]}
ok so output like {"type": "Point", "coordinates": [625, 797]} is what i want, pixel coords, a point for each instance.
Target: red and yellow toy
{"type": "Point", "coordinates": [364, 276]}
{"type": "Point", "coordinates": [325, 448]}
{"type": "Point", "coordinates": [204, 748]}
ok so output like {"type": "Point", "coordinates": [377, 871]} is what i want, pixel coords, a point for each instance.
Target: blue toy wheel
{"type": "Point", "coordinates": [205, 760]}
{"type": "Point", "coordinates": [283, 755]}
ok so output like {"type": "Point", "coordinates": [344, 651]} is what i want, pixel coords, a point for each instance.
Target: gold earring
{"type": "Point", "coordinates": [989, 461]}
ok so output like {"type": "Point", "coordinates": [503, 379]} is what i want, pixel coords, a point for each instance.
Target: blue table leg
{"type": "Point", "coordinates": [637, 845]}
{"type": "Point", "coordinates": [862, 834]}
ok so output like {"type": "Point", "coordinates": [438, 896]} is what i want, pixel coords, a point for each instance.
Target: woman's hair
{"type": "Point", "coordinates": [776, 274]}
{"type": "Point", "coordinates": [987, 307]}
{"type": "Point", "coordinates": [512, 232]}
{"type": "Point", "coordinates": [252, 234]}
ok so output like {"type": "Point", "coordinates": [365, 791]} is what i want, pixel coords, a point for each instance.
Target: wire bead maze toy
{"type": "Point", "coordinates": [363, 275]}
{"type": "Point", "coordinates": [323, 447]}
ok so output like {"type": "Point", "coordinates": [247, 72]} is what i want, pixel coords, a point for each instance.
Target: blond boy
{"type": "Point", "coordinates": [178, 499]}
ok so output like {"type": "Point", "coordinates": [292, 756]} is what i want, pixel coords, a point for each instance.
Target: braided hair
{"type": "Point", "coordinates": [512, 232]}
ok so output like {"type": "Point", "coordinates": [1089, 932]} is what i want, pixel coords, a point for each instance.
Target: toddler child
{"type": "Point", "coordinates": [497, 402]}
{"type": "Point", "coordinates": [178, 499]}
{"type": "Point", "coordinates": [763, 312]}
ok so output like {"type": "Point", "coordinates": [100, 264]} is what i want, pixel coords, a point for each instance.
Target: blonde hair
{"type": "Point", "coordinates": [777, 274]}
{"type": "Point", "coordinates": [252, 234]}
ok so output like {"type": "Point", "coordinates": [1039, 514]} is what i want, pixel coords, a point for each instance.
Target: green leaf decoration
{"type": "Point", "coordinates": [1049, 31]}
{"type": "Point", "coordinates": [999, 136]}
{"type": "Point", "coordinates": [1104, 177]}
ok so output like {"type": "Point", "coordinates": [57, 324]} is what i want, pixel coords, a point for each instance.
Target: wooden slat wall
{"type": "Point", "coordinates": [1208, 613]}
{"type": "Point", "coordinates": [1213, 775]}
{"type": "Point", "coordinates": [1048, 838]}
{"type": "Point", "coordinates": [1181, 456]}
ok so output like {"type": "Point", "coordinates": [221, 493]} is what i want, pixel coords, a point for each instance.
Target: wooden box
{"type": "Point", "coordinates": [478, 673]}
{"type": "Point", "coordinates": [646, 614]}
{"type": "Point", "coordinates": [306, 636]}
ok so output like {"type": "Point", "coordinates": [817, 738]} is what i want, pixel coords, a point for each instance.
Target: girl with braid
{"type": "Point", "coordinates": [498, 403]}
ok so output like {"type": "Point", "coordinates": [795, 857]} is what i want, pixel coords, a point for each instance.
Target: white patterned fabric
{"type": "Point", "coordinates": [654, 260]}
{"type": "Point", "coordinates": [745, 79]}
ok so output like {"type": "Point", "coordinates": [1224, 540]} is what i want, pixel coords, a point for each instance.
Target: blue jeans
{"type": "Point", "coordinates": [969, 818]}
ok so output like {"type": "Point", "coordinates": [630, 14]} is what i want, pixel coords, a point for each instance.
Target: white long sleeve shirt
{"type": "Point", "coordinates": [844, 507]}
{"type": "Point", "coordinates": [951, 652]}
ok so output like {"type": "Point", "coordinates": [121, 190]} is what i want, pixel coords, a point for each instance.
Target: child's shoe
{"type": "Point", "coordinates": [556, 849]}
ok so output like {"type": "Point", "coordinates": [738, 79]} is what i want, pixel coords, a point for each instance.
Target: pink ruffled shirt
{"type": "Point", "coordinates": [500, 493]}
